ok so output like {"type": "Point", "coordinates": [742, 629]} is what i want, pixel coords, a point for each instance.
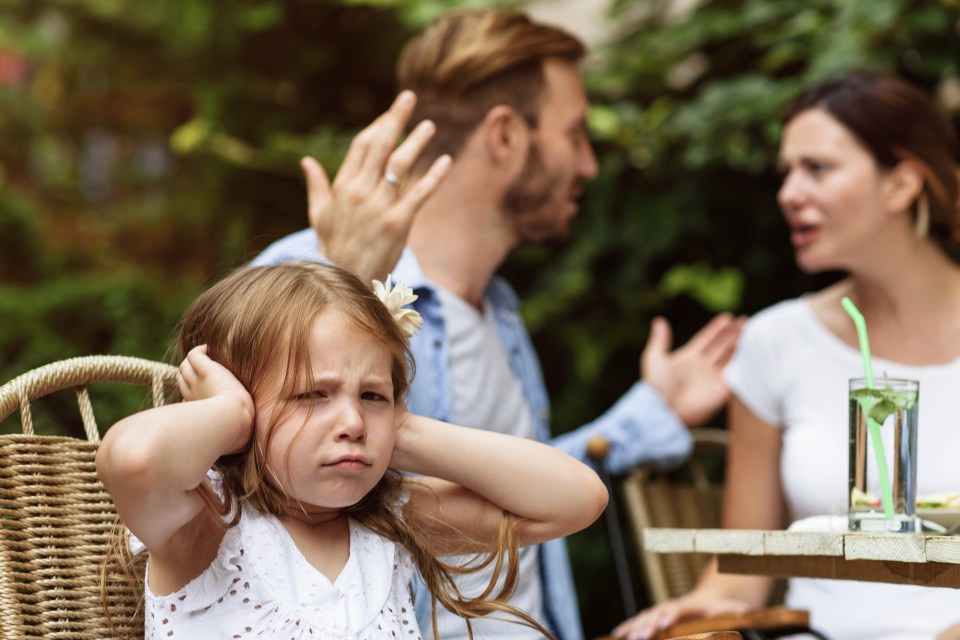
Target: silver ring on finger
{"type": "Point", "coordinates": [392, 179]}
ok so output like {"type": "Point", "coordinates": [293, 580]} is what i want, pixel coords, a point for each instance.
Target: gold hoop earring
{"type": "Point", "coordinates": [922, 225]}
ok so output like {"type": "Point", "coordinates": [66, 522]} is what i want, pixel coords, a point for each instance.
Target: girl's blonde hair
{"type": "Point", "coordinates": [247, 320]}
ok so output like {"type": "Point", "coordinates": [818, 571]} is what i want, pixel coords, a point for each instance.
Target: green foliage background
{"type": "Point", "coordinates": [150, 147]}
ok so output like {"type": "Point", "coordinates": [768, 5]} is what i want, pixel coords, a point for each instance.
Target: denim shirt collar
{"type": "Point", "coordinates": [409, 271]}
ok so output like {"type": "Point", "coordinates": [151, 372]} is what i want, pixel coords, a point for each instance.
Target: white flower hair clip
{"type": "Point", "coordinates": [394, 297]}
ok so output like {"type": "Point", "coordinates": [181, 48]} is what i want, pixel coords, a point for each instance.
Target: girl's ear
{"type": "Point", "coordinates": [902, 186]}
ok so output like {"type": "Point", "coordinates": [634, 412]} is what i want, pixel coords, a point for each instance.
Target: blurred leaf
{"type": "Point", "coordinates": [191, 135]}
{"type": "Point", "coordinates": [719, 290]}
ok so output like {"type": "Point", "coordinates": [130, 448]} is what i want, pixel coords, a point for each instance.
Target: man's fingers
{"type": "Point", "coordinates": [724, 343]}
{"type": "Point", "coordinates": [419, 191]}
{"type": "Point", "coordinates": [659, 340]}
{"type": "Point", "coordinates": [360, 146]}
{"type": "Point", "coordinates": [402, 161]}
{"type": "Point", "coordinates": [352, 162]}
{"type": "Point", "coordinates": [385, 132]}
{"type": "Point", "coordinates": [703, 338]}
{"type": "Point", "coordinates": [318, 189]}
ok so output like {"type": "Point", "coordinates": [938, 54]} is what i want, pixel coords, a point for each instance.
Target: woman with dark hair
{"type": "Point", "coordinates": [869, 188]}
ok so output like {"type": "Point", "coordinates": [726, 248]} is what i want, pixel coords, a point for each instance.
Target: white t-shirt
{"type": "Point", "coordinates": [791, 372]}
{"type": "Point", "coordinates": [486, 395]}
{"type": "Point", "coordinates": [261, 586]}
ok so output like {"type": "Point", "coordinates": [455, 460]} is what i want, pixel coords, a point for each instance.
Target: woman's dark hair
{"type": "Point", "coordinates": [895, 121]}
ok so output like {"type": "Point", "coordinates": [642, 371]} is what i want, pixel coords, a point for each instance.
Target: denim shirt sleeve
{"type": "Point", "coordinates": [640, 427]}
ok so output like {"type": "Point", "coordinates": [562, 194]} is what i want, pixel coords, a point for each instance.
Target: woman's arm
{"type": "Point", "coordinates": [752, 500]}
{"type": "Point", "coordinates": [152, 462]}
{"type": "Point", "coordinates": [475, 475]}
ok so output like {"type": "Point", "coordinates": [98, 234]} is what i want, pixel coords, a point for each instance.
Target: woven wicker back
{"type": "Point", "coordinates": [56, 518]}
{"type": "Point", "coordinates": [657, 499]}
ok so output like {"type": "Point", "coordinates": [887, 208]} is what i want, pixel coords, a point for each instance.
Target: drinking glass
{"type": "Point", "coordinates": [883, 447]}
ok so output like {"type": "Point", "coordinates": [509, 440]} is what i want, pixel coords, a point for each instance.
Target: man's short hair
{"type": "Point", "coordinates": [468, 62]}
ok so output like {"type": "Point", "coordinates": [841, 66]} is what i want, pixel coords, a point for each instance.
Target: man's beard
{"type": "Point", "coordinates": [533, 190]}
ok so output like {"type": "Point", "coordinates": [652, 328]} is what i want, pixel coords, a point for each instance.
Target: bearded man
{"type": "Point", "coordinates": [500, 95]}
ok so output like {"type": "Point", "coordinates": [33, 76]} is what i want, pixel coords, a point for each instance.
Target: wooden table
{"type": "Point", "coordinates": [928, 560]}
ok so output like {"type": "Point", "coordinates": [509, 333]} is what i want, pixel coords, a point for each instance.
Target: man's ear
{"type": "Point", "coordinates": [903, 185]}
{"type": "Point", "coordinates": [505, 136]}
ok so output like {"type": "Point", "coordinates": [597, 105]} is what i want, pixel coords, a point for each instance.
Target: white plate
{"type": "Point", "coordinates": [948, 518]}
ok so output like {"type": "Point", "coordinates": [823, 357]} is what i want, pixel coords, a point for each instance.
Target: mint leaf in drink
{"type": "Point", "coordinates": [881, 403]}
{"type": "Point", "coordinates": [881, 410]}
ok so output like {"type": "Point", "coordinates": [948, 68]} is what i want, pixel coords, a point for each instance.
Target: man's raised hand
{"type": "Point", "coordinates": [690, 377]}
{"type": "Point", "coordinates": [363, 218]}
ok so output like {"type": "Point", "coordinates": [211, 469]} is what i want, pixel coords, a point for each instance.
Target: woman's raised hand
{"type": "Point", "coordinates": [363, 219]}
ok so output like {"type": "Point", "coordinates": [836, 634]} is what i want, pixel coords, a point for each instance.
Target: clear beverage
{"type": "Point", "coordinates": [892, 405]}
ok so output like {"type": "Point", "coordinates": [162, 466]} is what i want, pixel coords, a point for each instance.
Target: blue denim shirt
{"type": "Point", "coordinates": [640, 426]}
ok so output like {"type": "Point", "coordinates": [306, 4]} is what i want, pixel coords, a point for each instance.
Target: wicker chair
{"type": "Point", "coordinates": [654, 498]}
{"type": "Point", "coordinates": [690, 499]}
{"type": "Point", "coordinates": [57, 519]}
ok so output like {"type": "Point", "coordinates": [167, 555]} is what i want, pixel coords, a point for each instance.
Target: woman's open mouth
{"type": "Point", "coordinates": [803, 234]}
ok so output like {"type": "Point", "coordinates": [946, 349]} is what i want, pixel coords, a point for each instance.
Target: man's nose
{"type": "Point", "coordinates": [588, 161]}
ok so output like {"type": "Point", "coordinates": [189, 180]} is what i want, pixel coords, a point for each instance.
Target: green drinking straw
{"type": "Point", "coordinates": [867, 402]}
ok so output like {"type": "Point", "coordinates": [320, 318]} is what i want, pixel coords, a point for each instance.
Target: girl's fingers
{"type": "Point", "coordinates": [197, 359]}
{"type": "Point", "coordinates": [186, 378]}
{"type": "Point", "coordinates": [183, 387]}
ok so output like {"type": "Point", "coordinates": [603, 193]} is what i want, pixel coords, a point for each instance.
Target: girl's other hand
{"type": "Point", "coordinates": [201, 377]}
{"type": "Point", "coordinates": [400, 445]}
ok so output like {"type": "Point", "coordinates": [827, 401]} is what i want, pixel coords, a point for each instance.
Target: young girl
{"type": "Point", "coordinates": [294, 379]}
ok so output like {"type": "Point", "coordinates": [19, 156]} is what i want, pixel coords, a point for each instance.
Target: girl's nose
{"type": "Point", "coordinates": [350, 425]}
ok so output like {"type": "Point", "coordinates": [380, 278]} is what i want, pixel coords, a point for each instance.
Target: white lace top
{"type": "Point", "coordinates": [261, 586]}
